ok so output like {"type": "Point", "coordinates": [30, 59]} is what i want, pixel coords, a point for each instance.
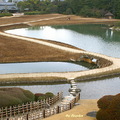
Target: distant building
{"type": "Point", "coordinates": [8, 6]}
{"type": "Point", "coordinates": [109, 15]}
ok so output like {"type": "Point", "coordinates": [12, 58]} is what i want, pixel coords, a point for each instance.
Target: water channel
{"type": "Point", "coordinates": [35, 67]}
{"type": "Point", "coordinates": [96, 38]}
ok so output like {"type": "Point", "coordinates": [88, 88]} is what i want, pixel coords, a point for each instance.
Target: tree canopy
{"type": "Point", "coordinates": [87, 8]}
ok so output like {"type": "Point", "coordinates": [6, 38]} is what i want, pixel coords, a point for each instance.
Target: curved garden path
{"type": "Point", "coordinates": [114, 68]}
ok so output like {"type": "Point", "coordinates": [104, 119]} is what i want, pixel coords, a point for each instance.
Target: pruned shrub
{"type": "Point", "coordinates": [35, 13]}
{"type": "Point", "coordinates": [14, 96]}
{"type": "Point", "coordinates": [29, 95]}
{"type": "Point", "coordinates": [37, 95]}
{"type": "Point", "coordinates": [102, 115]}
{"type": "Point", "coordinates": [5, 14]}
{"type": "Point", "coordinates": [49, 95]}
{"type": "Point", "coordinates": [40, 96]}
{"type": "Point", "coordinates": [109, 108]}
{"type": "Point", "coordinates": [104, 102]}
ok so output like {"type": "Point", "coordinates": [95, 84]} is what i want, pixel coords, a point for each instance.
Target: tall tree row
{"type": "Point", "coordinates": [87, 8]}
{"type": "Point", "coordinates": [95, 8]}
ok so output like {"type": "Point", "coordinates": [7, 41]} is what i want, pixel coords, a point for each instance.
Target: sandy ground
{"type": "Point", "coordinates": [78, 112]}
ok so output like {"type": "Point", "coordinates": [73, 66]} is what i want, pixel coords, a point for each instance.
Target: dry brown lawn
{"type": "Point", "coordinates": [74, 20]}
{"type": "Point", "coordinates": [16, 50]}
{"type": "Point", "coordinates": [78, 112]}
{"type": "Point", "coordinates": [26, 18]}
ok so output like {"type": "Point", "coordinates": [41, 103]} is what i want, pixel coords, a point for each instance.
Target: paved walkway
{"type": "Point", "coordinates": [112, 68]}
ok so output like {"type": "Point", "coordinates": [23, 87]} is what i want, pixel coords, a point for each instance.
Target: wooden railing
{"type": "Point", "coordinates": [33, 113]}
{"type": "Point", "coordinates": [12, 111]}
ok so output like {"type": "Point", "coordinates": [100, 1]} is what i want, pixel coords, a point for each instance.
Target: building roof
{"type": "Point", "coordinates": [6, 3]}
{"type": "Point", "coordinates": [109, 14]}
{"type": "Point", "coordinates": [8, 6]}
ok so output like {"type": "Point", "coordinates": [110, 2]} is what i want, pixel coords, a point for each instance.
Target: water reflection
{"type": "Point", "coordinates": [96, 38]}
{"type": "Point", "coordinates": [109, 34]}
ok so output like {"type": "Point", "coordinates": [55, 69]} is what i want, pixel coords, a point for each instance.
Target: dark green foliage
{"type": "Point", "coordinates": [14, 96]}
{"type": "Point", "coordinates": [29, 95]}
{"type": "Point", "coordinates": [95, 8]}
{"type": "Point", "coordinates": [49, 95]}
{"type": "Point", "coordinates": [37, 95]}
{"type": "Point", "coordinates": [88, 8]}
{"type": "Point", "coordinates": [5, 14]}
{"type": "Point", "coordinates": [68, 11]}
{"type": "Point", "coordinates": [40, 96]}
{"type": "Point", "coordinates": [109, 108]}
{"type": "Point", "coordinates": [34, 13]}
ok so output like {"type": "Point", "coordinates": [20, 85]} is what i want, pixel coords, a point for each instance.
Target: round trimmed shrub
{"type": "Point", "coordinates": [49, 95]}
{"type": "Point", "coordinates": [42, 97]}
{"type": "Point", "coordinates": [103, 115]}
{"type": "Point", "coordinates": [37, 95]}
{"type": "Point", "coordinates": [109, 108]}
{"type": "Point", "coordinates": [104, 102]}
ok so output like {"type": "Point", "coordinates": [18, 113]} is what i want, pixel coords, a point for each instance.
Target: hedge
{"type": "Point", "coordinates": [5, 14]}
{"type": "Point", "coordinates": [35, 13]}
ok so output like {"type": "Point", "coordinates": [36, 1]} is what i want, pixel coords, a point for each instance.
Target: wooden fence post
{"type": "Point", "coordinates": [58, 110]}
{"type": "Point", "coordinates": [70, 106]}
{"type": "Point", "coordinates": [43, 113]}
{"type": "Point", "coordinates": [6, 115]}
{"type": "Point", "coordinates": [27, 117]}
{"type": "Point", "coordinates": [79, 96]}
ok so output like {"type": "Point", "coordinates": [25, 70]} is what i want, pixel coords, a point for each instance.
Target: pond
{"type": "Point", "coordinates": [35, 67]}
{"type": "Point", "coordinates": [91, 37]}
{"type": "Point", "coordinates": [90, 90]}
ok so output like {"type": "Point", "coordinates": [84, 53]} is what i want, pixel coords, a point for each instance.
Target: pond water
{"type": "Point", "coordinates": [91, 37]}
{"type": "Point", "coordinates": [36, 67]}
{"type": "Point", "coordinates": [90, 90]}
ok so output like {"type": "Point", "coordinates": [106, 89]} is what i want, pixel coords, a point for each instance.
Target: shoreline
{"type": "Point", "coordinates": [114, 68]}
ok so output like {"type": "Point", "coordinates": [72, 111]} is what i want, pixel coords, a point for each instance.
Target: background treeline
{"type": "Point", "coordinates": [87, 8]}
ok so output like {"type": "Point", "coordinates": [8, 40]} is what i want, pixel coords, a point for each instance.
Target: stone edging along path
{"type": "Point", "coordinates": [114, 68]}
